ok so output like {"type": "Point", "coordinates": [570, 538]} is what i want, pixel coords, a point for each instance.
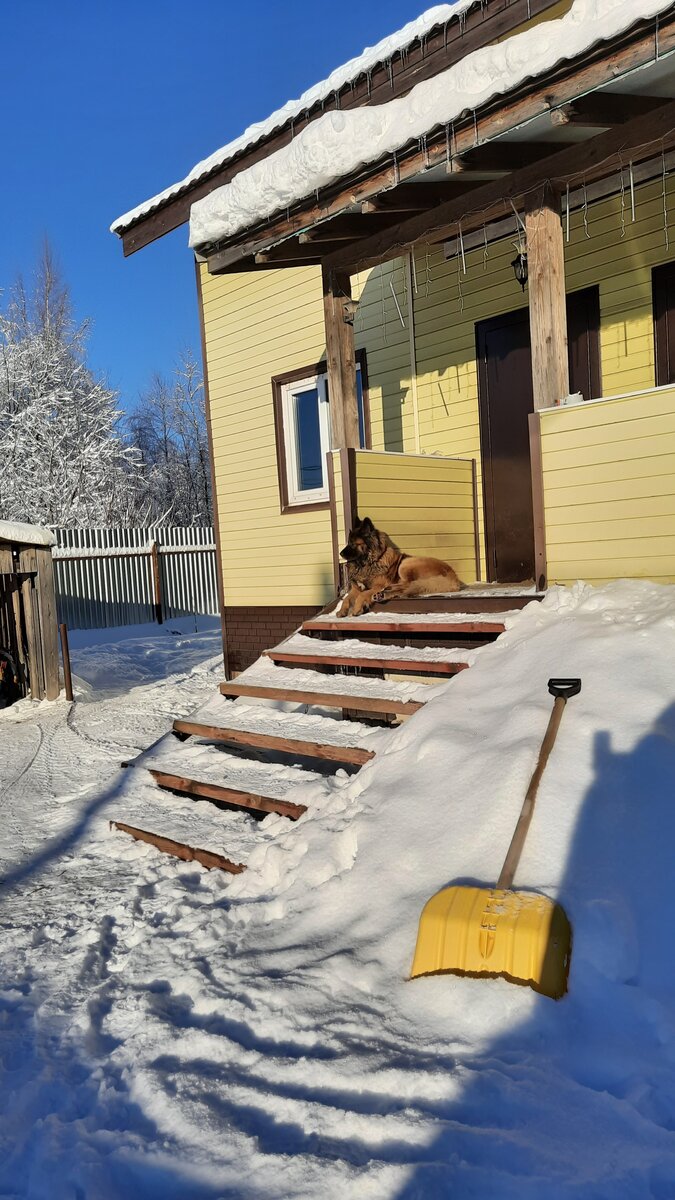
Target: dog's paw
{"type": "Point", "coordinates": [379, 597]}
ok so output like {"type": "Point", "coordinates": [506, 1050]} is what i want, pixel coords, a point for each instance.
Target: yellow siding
{"type": "Point", "coordinates": [609, 488]}
{"type": "Point", "coordinates": [257, 326]}
{"type": "Point", "coordinates": [424, 503]}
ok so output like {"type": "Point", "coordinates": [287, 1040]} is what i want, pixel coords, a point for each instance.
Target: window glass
{"type": "Point", "coordinates": [309, 458]}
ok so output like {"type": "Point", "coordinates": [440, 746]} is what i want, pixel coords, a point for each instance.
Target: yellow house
{"type": "Point", "coordinates": [440, 290]}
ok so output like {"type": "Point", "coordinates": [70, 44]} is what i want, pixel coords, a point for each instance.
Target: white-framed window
{"type": "Point", "coordinates": [305, 416]}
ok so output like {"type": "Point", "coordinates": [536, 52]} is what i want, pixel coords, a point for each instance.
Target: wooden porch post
{"type": "Point", "coordinates": [341, 359]}
{"type": "Point", "coordinates": [546, 285]}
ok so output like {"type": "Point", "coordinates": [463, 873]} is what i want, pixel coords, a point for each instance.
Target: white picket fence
{"type": "Point", "coordinates": [113, 577]}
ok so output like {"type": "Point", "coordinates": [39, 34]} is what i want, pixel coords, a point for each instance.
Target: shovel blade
{"type": "Point", "coordinates": [522, 936]}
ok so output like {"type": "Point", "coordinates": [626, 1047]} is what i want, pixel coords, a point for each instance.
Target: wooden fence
{"type": "Point", "coordinates": [115, 577]}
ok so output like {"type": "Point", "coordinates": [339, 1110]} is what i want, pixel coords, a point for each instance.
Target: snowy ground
{"type": "Point", "coordinates": [165, 1031]}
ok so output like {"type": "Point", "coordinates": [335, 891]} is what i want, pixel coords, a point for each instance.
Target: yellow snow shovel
{"type": "Point", "coordinates": [522, 936]}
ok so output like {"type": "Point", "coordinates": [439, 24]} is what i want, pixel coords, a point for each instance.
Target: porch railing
{"type": "Point", "coordinates": [426, 503]}
{"type": "Point", "coordinates": [608, 475]}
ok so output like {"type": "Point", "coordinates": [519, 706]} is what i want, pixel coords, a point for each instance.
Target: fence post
{"type": "Point", "coordinates": [65, 655]}
{"type": "Point", "coordinates": [157, 582]}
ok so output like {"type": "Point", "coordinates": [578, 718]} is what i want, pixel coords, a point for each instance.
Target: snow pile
{"type": "Point", "coordinates": [338, 143]}
{"type": "Point", "coordinates": [25, 535]}
{"type": "Point", "coordinates": [171, 1032]}
{"type": "Point", "coordinates": [363, 64]}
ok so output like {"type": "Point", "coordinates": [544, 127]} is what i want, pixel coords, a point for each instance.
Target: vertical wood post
{"type": "Point", "coordinates": [46, 599]}
{"type": "Point", "coordinates": [156, 582]}
{"type": "Point", "coordinates": [28, 565]}
{"type": "Point", "coordinates": [546, 285]}
{"type": "Point", "coordinates": [341, 360]}
{"type": "Point", "coordinates": [65, 655]}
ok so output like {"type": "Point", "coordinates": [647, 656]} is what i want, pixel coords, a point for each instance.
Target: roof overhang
{"type": "Point", "coordinates": [612, 105]}
{"type": "Point", "coordinates": [479, 24]}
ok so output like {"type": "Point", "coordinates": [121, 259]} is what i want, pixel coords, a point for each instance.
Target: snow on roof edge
{"type": "Point", "coordinates": [349, 72]}
{"type": "Point", "coordinates": [25, 535]}
{"type": "Point", "coordinates": [340, 142]}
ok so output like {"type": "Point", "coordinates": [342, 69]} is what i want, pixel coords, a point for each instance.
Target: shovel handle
{"type": "Point", "coordinates": [563, 689]}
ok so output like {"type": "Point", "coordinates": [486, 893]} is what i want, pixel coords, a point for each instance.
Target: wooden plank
{"type": "Point", "coordinates": [547, 300]}
{"type": "Point", "coordinates": [353, 625]}
{"type": "Point", "coordinates": [340, 359]}
{"type": "Point", "coordinates": [323, 699]}
{"type": "Point", "coordinates": [605, 109]}
{"type": "Point", "coordinates": [417, 666]}
{"type": "Point", "coordinates": [28, 564]}
{"type": "Point", "coordinates": [355, 755]}
{"type": "Point", "coordinates": [46, 601]}
{"type": "Point", "coordinates": [214, 791]}
{"type": "Point", "coordinates": [208, 858]}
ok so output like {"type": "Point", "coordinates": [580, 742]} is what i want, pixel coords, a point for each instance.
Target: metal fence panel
{"type": "Point", "coordinates": [107, 578]}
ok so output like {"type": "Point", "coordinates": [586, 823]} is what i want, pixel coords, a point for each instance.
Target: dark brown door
{"type": "Point", "coordinates": [663, 295]}
{"type": "Point", "coordinates": [505, 402]}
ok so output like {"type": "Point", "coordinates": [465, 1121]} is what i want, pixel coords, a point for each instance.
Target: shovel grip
{"type": "Point", "coordinates": [564, 687]}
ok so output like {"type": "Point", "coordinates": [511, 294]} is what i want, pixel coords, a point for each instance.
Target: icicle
{"type": "Point", "coordinates": [475, 129]}
{"type": "Point", "coordinates": [398, 306]}
{"type": "Point", "coordinates": [384, 307]}
{"type": "Point", "coordinates": [462, 22]}
{"type": "Point", "coordinates": [447, 143]}
{"type": "Point", "coordinates": [292, 128]}
{"type": "Point", "coordinates": [445, 36]}
{"type": "Point", "coordinates": [461, 248]}
{"type": "Point", "coordinates": [665, 198]}
{"type": "Point", "coordinates": [623, 199]}
{"type": "Point", "coordinates": [567, 214]}
{"type": "Point", "coordinates": [460, 294]}
{"type": "Point", "coordinates": [414, 270]}
{"type": "Point", "coordinates": [485, 248]}
{"type": "Point", "coordinates": [586, 212]}
{"type": "Point", "coordinates": [425, 147]}
{"type": "Point", "coordinates": [397, 169]}
{"type": "Point", "coordinates": [390, 68]}
{"type": "Point", "coordinates": [632, 191]}
{"type": "Point", "coordinates": [656, 38]}
{"type": "Point", "coordinates": [369, 82]}
{"type": "Point", "coordinates": [336, 97]}
{"type": "Point", "coordinates": [423, 45]}
{"type": "Point", "coordinates": [529, 11]}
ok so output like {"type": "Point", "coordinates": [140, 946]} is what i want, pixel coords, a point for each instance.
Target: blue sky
{"type": "Point", "coordinates": [106, 104]}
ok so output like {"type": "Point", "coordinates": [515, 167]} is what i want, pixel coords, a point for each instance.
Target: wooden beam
{"type": "Point", "coordinates": [347, 700]}
{"type": "Point", "coordinates": [502, 156]}
{"type": "Point", "coordinates": [186, 786]}
{"type": "Point", "coordinates": [444, 46]}
{"type": "Point", "coordinates": [289, 253]}
{"type": "Point", "coordinates": [546, 289]}
{"type": "Point", "coordinates": [604, 109]}
{"type": "Point", "coordinates": [589, 159]}
{"type": "Point", "coordinates": [417, 197]}
{"type": "Point", "coordinates": [347, 227]}
{"type": "Point", "coordinates": [604, 63]}
{"type": "Point", "coordinates": [340, 360]}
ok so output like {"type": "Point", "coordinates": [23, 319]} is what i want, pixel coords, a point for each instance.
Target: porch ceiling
{"type": "Point", "coordinates": [577, 125]}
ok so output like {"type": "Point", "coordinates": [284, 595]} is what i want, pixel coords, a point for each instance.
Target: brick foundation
{"type": "Point", "coordinates": [252, 630]}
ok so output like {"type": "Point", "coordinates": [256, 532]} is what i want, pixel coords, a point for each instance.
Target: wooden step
{"type": "Point", "coordinates": [327, 699]}
{"type": "Point", "coordinates": [354, 755]}
{"type": "Point", "coordinates": [351, 625]}
{"type": "Point", "coordinates": [462, 602]}
{"type": "Point", "coordinates": [208, 858]}
{"type": "Point", "coordinates": [223, 795]}
{"type": "Point", "coordinates": [416, 666]}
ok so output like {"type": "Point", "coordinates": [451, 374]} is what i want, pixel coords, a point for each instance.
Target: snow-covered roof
{"type": "Point", "coordinates": [342, 141]}
{"type": "Point", "coordinates": [25, 535]}
{"type": "Point", "coordinates": [364, 63]}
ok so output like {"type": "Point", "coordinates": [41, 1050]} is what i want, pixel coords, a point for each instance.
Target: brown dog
{"type": "Point", "coordinates": [377, 569]}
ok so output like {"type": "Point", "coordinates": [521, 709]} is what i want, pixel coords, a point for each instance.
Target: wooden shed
{"type": "Point", "coordinates": [28, 622]}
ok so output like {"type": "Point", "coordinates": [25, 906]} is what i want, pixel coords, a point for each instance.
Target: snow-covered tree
{"type": "Point", "coordinates": [64, 460]}
{"type": "Point", "coordinates": [169, 429]}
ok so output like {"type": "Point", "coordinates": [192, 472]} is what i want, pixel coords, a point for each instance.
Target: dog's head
{"type": "Point", "coordinates": [364, 542]}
